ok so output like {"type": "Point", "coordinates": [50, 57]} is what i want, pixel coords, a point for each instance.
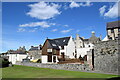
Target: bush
{"type": "Point", "coordinates": [5, 63]}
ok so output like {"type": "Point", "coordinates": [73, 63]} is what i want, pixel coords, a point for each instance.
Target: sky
{"type": "Point", "coordinates": [30, 23]}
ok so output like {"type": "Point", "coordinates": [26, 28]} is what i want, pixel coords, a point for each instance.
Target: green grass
{"type": "Point", "coordinates": [18, 71]}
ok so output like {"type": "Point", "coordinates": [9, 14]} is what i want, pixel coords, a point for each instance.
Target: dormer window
{"type": "Point", "coordinates": [63, 40]}
{"type": "Point", "coordinates": [53, 44]}
{"type": "Point", "coordinates": [119, 30]}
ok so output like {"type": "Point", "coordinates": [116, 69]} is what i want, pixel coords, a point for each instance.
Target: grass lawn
{"type": "Point", "coordinates": [18, 71]}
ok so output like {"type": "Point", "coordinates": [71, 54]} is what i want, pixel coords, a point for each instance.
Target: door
{"type": "Point", "coordinates": [63, 55]}
{"type": "Point", "coordinates": [49, 57]}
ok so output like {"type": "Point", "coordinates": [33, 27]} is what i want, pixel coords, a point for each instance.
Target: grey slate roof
{"type": "Point", "coordinates": [85, 39]}
{"type": "Point", "coordinates": [51, 42]}
{"type": "Point", "coordinates": [33, 48]}
{"type": "Point", "coordinates": [115, 24]}
{"type": "Point", "coordinates": [81, 38]}
{"type": "Point", "coordinates": [55, 43]}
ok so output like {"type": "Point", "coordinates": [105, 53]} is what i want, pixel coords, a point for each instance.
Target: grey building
{"type": "Point", "coordinates": [35, 52]}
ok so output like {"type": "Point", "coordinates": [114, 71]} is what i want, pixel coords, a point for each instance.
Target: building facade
{"type": "Point", "coordinates": [82, 46]}
{"type": "Point", "coordinates": [113, 29]}
{"type": "Point", "coordinates": [54, 50]}
{"type": "Point", "coordinates": [35, 52]}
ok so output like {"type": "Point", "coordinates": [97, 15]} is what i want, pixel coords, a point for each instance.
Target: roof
{"type": "Point", "coordinates": [33, 48]}
{"type": "Point", "coordinates": [85, 39]}
{"type": "Point", "coordinates": [16, 52]}
{"type": "Point", "coordinates": [55, 43]}
{"type": "Point", "coordinates": [52, 44]}
{"type": "Point", "coordinates": [115, 24]}
{"type": "Point", "coordinates": [81, 38]}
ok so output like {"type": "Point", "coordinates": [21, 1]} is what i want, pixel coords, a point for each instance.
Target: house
{"type": "Point", "coordinates": [82, 45]}
{"type": "Point", "coordinates": [113, 29]}
{"type": "Point", "coordinates": [16, 55]}
{"type": "Point", "coordinates": [35, 52]}
{"type": "Point", "coordinates": [58, 49]}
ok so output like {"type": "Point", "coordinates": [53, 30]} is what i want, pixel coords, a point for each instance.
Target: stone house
{"type": "Point", "coordinates": [35, 52]}
{"type": "Point", "coordinates": [59, 48]}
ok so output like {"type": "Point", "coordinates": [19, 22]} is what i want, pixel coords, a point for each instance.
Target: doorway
{"type": "Point", "coordinates": [49, 57]}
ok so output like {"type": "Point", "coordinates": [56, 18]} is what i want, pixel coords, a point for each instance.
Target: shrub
{"type": "Point", "coordinates": [5, 63]}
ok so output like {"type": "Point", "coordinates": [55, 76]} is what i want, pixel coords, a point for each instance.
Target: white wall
{"type": "Point", "coordinates": [16, 57]}
{"type": "Point", "coordinates": [20, 57]}
{"type": "Point", "coordinates": [83, 51]}
{"type": "Point", "coordinates": [63, 50]}
{"type": "Point", "coordinates": [12, 58]}
{"type": "Point", "coordinates": [44, 58]}
{"type": "Point", "coordinates": [70, 49]}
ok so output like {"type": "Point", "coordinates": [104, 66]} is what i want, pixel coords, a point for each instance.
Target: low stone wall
{"type": "Point", "coordinates": [106, 57]}
{"type": "Point", "coordinates": [72, 67]}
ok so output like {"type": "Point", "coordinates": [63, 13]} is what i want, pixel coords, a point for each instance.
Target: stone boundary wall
{"type": "Point", "coordinates": [72, 67]}
{"type": "Point", "coordinates": [106, 57]}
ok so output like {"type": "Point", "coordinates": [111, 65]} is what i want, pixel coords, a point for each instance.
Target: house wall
{"type": "Point", "coordinates": [70, 48]}
{"type": "Point", "coordinates": [36, 54]}
{"type": "Point", "coordinates": [116, 32]}
{"type": "Point", "coordinates": [111, 34]}
{"type": "Point", "coordinates": [12, 58]}
{"type": "Point", "coordinates": [57, 51]}
{"type": "Point", "coordinates": [82, 51]}
{"type": "Point", "coordinates": [20, 57]}
{"type": "Point", "coordinates": [16, 57]}
{"type": "Point", "coordinates": [63, 50]}
{"type": "Point", "coordinates": [44, 48]}
{"type": "Point", "coordinates": [44, 58]}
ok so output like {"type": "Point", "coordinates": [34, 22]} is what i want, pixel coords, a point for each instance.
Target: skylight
{"type": "Point", "coordinates": [53, 44]}
{"type": "Point", "coordinates": [63, 40]}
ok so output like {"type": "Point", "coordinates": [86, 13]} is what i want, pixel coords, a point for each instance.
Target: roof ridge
{"type": "Point", "coordinates": [60, 38]}
{"type": "Point", "coordinates": [113, 21]}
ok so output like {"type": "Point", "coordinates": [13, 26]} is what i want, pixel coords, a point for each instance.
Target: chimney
{"type": "Point", "coordinates": [83, 37]}
{"type": "Point", "coordinates": [93, 33]}
{"type": "Point", "coordinates": [100, 37]}
{"type": "Point", "coordinates": [77, 36]}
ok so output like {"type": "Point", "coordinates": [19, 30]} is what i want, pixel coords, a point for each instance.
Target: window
{"type": "Point", "coordinates": [54, 51]}
{"type": "Point", "coordinates": [63, 40]}
{"type": "Point", "coordinates": [53, 44]}
{"type": "Point", "coordinates": [49, 50]}
{"type": "Point", "coordinates": [54, 59]}
{"type": "Point", "coordinates": [119, 30]}
{"type": "Point", "coordinates": [112, 30]}
{"type": "Point", "coordinates": [62, 47]}
{"type": "Point", "coordinates": [63, 55]}
{"type": "Point", "coordinates": [89, 46]}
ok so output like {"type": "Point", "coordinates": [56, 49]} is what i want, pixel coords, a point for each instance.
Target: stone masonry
{"type": "Point", "coordinates": [106, 56]}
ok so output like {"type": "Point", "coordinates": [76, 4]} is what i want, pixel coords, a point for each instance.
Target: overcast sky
{"type": "Point", "coordinates": [26, 24]}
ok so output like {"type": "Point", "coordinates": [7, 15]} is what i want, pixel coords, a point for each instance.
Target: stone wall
{"type": "Point", "coordinates": [106, 55]}
{"type": "Point", "coordinates": [72, 67]}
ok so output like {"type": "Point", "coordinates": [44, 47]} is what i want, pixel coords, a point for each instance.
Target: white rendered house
{"type": "Point", "coordinates": [85, 45]}
{"type": "Point", "coordinates": [16, 57]}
